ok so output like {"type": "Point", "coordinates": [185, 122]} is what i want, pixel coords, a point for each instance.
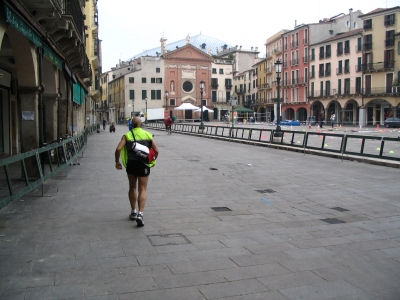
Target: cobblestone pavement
{"type": "Point", "coordinates": [223, 221]}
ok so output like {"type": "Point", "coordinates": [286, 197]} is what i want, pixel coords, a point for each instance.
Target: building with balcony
{"type": "Point", "coordinates": [274, 48]}
{"type": "Point", "coordinates": [335, 77]}
{"type": "Point", "coordinates": [221, 86]}
{"type": "Point", "coordinates": [46, 73]}
{"type": "Point", "coordinates": [297, 57]}
{"type": "Point", "coordinates": [93, 50]}
{"type": "Point", "coordinates": [380, 67]}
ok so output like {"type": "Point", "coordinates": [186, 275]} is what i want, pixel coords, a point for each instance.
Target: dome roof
{"type": "Point", "coordinates": [201, 41]}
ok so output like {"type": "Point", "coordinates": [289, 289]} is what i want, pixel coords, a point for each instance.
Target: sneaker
{"type": "Point", "coordinates": [139, 220]}
{"type": "Point", "coordinates": [133, 216]}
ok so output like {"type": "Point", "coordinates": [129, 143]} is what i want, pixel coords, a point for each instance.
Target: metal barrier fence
{"type": "Point", "coordinates": [24, 172]}
{"type": "Point", "coordinates": [385, 148]}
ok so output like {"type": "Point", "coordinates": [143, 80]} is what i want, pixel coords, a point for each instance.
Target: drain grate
{"type": "Point", "coordinates": [340, 209]}
{"type": "Point", "coordinates": [266, 191]}
{"type": "Point", "coordinates": [168, 239]}
{"type": "Point", "coordinates": [333, 221]}
{"type": "Point", "coordinates": [221, 209]}
{"type": "Point", "coordinates": [213, 169]}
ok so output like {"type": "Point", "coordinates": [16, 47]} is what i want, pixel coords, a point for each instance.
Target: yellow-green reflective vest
{"type": "Point", "coordinates": [142, 137]}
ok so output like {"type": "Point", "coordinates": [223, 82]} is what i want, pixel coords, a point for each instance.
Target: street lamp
{"type": "Point", "coordinates": [166, 102]}
{"type": "Point", "coordinates": [145, 116]}
{"type": "Point", "coordinates": [278, 70]}
{"type": "Point", "coordinates": [201, 104]}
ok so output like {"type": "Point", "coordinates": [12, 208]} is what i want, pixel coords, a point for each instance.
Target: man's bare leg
{"type": "Point", "coordinates": [142, 192]}
{"type": "Point", "coordinates": [132, 194]}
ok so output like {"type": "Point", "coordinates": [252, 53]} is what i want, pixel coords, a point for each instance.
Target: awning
{"type": "Point", "coordinates": [186, 106]}
{"type": "Point", "coordinates": [243, 109]}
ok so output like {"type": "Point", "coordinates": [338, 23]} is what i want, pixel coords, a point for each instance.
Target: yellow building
{"type": "Point", "coordinates": [380, 65]}
{"type": "Point", "coordinates": [93, 109]}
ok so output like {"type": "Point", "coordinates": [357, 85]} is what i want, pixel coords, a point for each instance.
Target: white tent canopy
{"type": "Point", "coordinates": [204, 109]}
{"type": "Point", "coordinates": [186, 106]}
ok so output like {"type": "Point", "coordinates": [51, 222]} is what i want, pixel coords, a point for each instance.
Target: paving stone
{"type": "Point", "coordinates": [55, 292]}
{"type": "Point", "coordinates": [253, 271]}
{"type": "Point", "coordinates": [270, 295]}
{"type": "Point", "coordinates": [12, 294]}
{"type": "Point", "coordinates": [289, 280]}
{"type": "Point", "coordinates": [163, 258]}
{"type": "Point", "coordinates": [216, 253]}
{"type": "Point", "coordinates": [319, 291]}
{"type": "Point", "coordinates": [233, 288]}
{"type": "Point", "coordinates": [188, 279]}
{"type": "Point", "coordinates": [34, 280]}
{"type": "Point", "coordinates": [171, 294]}
{"type": "Point", "coordinates": [118, 286]}
{"type": "Point", "coordinates": [309, 253]}
{"type": "Point", "coordinates": [202, 265]}
{"type": "Point", "coordinates": [260, 259]}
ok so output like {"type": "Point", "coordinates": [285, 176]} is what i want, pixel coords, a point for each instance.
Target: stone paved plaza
{"type": "Point", "coordinates": [223, 220]}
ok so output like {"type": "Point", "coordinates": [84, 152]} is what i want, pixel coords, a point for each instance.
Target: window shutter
{"type": "Point", "coordinates": [153, 94]}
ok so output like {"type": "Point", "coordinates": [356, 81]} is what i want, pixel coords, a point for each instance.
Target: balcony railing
{"type": "Point", "coordinates": [327, 72]}
{"type": "Point", "coordinates": [285, 64]}
{"type": "Point", "coordinates": [367, 26]}
{"type": "Point", "coordinates": [73, 8]}
{"type": "Point", "coordinates": [347, 69]}
{"type": "Point", "coordinates": [380, 66]}
{"type": "Point", "coordinates": [264, 86]}
{"type": "Point", "coordinates": [339, 52]}
{"type": "Point", "coordinates": [214, 85]}
{"type": "Point", "coordinates": [328, 54]}
{"type": "Point", "coordinates": [297, 81]}
{"type": "Point", "coordinates": [294, 44]}
{"type": "Point", "coordinates": [277, 50]}
{"type": "Point", "coordinates": [294, 62]}
{"type": "Point", "coordinates": [305, 59]}
{"type": "Point", "coordinates": [321, 73]}
{"type": "Point", "coordinates": [339, 71]}
{"type": "Point", "coordinates": [389, 22]}
{"type": "Point", "coordinates": [389, 42]}
{"type": "Point", "coordinates": [305, 41]}
{"type": "Point", "coordinates": [377, 90]}
{"type": "Point", "coordinates": [358, 68]}
{"type": "Point", "coordinates": [321, 55]}
{"type": "Point", "coordinates": [346, 50]}
{"type": "Point", "coordinates": [228, 86]}
{"type": "Point", "coordinates": [312, 57]}
{"type": "Point", "coordinates": [268, 70]}
{"type": "Point", "coordinates": [358, 48]}
{"type": "Point", "coordinates": [312, 75]}
{"type": "Point", "coordinates": [367, 46]}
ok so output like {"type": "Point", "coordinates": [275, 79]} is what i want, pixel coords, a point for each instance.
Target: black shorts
{"type": "Point", "coordinates": [137, 168]}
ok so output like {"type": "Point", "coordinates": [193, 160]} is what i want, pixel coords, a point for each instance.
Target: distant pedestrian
{"type": "Point", "coordinates": [104, 124]}
{"type": "Point", "coordinates": [130, 124]}
{"type": "Point", "coordinates": [333, 117]}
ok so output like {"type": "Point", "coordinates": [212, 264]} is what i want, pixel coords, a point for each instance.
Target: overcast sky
{"type": "Point", "coordinates": [128, 27]}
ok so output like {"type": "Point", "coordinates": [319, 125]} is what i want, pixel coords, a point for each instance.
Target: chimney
{"type": "Point", "coordinates": [295, 23]}
{"type": "Point", "coordinates": [351, 17]}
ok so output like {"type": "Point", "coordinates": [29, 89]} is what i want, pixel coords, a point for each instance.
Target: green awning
{"type": "Point", "coordinates": [79, 94]}
{"type": "Point", "coordinates": [243, 109]}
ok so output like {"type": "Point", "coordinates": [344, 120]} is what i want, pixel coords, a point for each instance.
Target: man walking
{"type": "Point", "coordinates": [138, 171]}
